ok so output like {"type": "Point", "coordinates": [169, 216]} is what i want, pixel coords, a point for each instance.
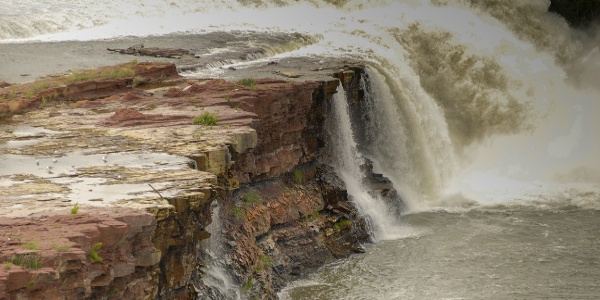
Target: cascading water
{"type": "Point", "coordinates": [463, 98]}
{"type": "Point", "coordinates": [347, 161]}
{"type": "Point", "coordinates": [220, 284]}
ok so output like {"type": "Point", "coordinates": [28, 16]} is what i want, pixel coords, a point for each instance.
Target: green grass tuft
{"type": "Point", "coordinates": [61, 248]}
{"type": "Point", "coordinates": [298, 176]}
{"type": "Point", "coordinates": [27, 261]}
{"type": "Point", "coordinates": [312, 216]}
{"type": "Point", "coordinates": [206, 119]}
{"type": "Point", "coordinates": [248, 285]}
{"type": "Point", "coordinates": [106, 74]}
{"type": "Point", "coordinates": [31, 246]}
{"type": "Point", "coordinates": [238, 212]}
{"type": "Point", "coordinates": [247, 82]}
{"type": "Point", "coordinates": [251, 198]}
{"type": "Point", "coordinates": [94, 257]}
{"type": "Point", "coordinates": [75, 209]}
{"type": "Point", "coordinates": [342, 224]}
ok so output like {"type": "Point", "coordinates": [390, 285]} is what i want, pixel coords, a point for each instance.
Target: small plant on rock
{"type": "Point", "coordinates": [312, 216]}
{"type": "Point", "coordinates": [266, 260]}
{"type": "Point", "coordinates": [298, 176]}
{"type": "Point", "coordinates": [342, 224]}
{"type": "Point", "coordinates": [94, 257]}
{"type": "Point", "coordinates": [248, 285]}
{"type": "Point", "coordinates": [238, 212]}
{"type": "Point", "coordinates": [252, 197]}
{"type": "Point", "coordinates": [206, 119]}
{"type": "Point", "coordinates": [27, 261]}
{"type": "Point", "coordinates": [75, 209]}
{"type": "Point", "coordinates": [31, 284]}
{"type": "Point", "coordinates": [247, 82]}
{"type": "Point", "coordinates": [61, 248]}
{"type": "Point", "coordinates": [31, 246]}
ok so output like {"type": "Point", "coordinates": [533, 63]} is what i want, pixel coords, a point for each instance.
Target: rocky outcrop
{"type": "Point", "coordinates": [291, 213]}
{"type": "Point", "coordinates": [285, 212]}
{"type": "Point", "coordinates": [106, 255]}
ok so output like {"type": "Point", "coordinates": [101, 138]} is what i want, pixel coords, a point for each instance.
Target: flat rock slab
{"type": "Point", "coordinates": [135, 149]}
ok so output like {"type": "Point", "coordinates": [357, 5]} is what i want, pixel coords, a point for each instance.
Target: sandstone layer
{"type": "Point", "coordinates": [108, 185]}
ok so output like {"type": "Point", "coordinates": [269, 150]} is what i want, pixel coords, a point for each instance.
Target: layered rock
{"type": "Point", "coordinates": [285, 211]}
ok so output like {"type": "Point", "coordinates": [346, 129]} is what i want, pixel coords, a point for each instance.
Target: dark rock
{"type": "Point", "coordinates": [154, 52]}
{"type": "Point", "coordinates": [579, 14]}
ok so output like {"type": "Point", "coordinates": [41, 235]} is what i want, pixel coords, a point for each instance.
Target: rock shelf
{"type": "Point", "coordinates": [107, 180]}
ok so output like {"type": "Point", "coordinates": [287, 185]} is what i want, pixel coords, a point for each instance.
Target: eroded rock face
{"type": "Point", "coordinates": [291, 214]}
{"type": "Point", "coordinates": [285, 212]}
{"type": "Point", "coordinates": [100, 255]}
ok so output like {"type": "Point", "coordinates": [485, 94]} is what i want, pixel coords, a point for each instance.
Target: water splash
{"type": "Point", "coordinates": [347, 161]}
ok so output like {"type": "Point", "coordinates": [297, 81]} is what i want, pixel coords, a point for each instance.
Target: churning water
{"type": "Point", "coordinates": [483, 114]}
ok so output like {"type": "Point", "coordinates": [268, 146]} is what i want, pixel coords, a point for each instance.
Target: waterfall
{"type": "Point", "coordinates": [472, 102]}
{"type": "Point", "coordinates": [347, 161]}
{"type": "Point", "coordinates": [216, 276]}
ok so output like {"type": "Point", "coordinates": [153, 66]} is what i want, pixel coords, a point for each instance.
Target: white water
{"type": "Point", "coordinates": [347, 161]}
{"type": "Point", "coordinates": [474, 109]}
{"type": "Point", "coordinates": [216, 274]}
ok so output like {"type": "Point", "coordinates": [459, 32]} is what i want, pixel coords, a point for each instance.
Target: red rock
{"type": "Point", "coordinates": [112, 232]}
{"type": "Point", "coordinates": [173, 92]}
{"type": "Point", "coordinates": [17, 279]}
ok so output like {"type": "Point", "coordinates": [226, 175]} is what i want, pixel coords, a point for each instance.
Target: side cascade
{"type": "Point", "coordinates": [349, 165]}
{"type": "Point", "coordinates": [218, 282]}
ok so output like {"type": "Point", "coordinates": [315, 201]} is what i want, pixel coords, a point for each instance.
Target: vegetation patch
{"type": "Point", "coordinates": [312, 216]}
{"type": "Point", "coordinates": [251, 198]}
{"type": "Point", "coordinates": [238, 212]}
{"type": "Point", "coordinates": [31, 285]}
{"type": "Point", "coordinates": [31, 245]}
{"type": "Point", "coordinates": [27, 261]}
{"type": "Point", "coordinates": [206, 119]}
{"type": "Point", "coordinates": [248, 285]}
{"type": "Point", "coordinates": [265, 262]}
{"type": "Point", "coordinates": [61, 248]}
{"type": "Point", "coordinates": [342, 224]}
{"type": "Point", "coordinates": [94, 257]}
{"type": "Point", "coordinates": [117, 73]}
{"type": "Point", "coordinates": [137, 81]}
{"type": "Point", "coordinates": [298, 176]}
{"type": "Point", "coordinates": [247, 82]}
{"type": "Point", "coordinates": [75, 209]}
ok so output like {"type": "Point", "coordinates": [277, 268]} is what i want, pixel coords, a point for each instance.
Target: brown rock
{"type": "Point", "coordinates": [112, 232]}
{"type": "Point", "coordinates": [147, 258]}
{"type": "Point", "coordinates": [123, 269]}
{"type": "Point", "coordinates": [17, 279]}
